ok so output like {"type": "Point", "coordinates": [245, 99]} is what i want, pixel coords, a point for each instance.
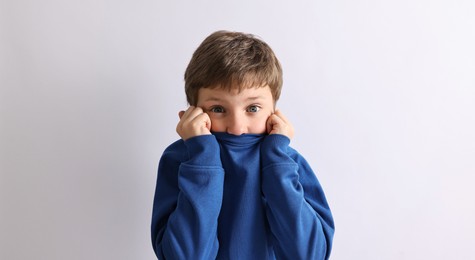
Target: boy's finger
{"type": "Point", "coordinates": [277, 123]}
{"type": "Point", "coordinates": [272, 121]}
{"type": "Point", "coordinates": [185, 112]}
{"type": "Point", "coordinates": [281, 115]}
{"type": "Point", "coordinates": [191, 113]}
{"type": "Point", "coordinates": [204, 118]}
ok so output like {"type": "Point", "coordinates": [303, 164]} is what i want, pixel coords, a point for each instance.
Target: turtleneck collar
{"type": "Point", "coordinates": [238, 140]}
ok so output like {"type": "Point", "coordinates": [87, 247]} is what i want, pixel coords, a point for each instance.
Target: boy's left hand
{"type": "Point", "coordinates": [277, 123]}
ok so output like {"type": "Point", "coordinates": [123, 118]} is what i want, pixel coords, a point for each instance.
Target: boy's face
{"type": "Point", "coordinates": [237, 113]}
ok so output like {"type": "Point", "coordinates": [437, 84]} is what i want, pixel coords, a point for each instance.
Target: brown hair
{"type": "Point", "coordinates": [231, 60]}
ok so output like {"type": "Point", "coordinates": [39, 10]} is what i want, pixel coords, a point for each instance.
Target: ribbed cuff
{"type": "Point", "coordinates": [274, 149]}
{"type": "Point", "coordinates": [203, 150]}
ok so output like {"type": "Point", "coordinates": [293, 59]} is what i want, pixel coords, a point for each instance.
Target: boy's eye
{"type": "Point", "coordinates": [253, 109]}
{"type": "Point", "coordinates": [217, 109]}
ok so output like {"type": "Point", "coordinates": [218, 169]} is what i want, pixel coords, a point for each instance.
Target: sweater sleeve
{"type": "Point", "coordinates": [188, 200]}
{"type": "Point", "coordinates": [298, 213]}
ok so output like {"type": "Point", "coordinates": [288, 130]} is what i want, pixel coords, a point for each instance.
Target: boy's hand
{"type": "Point", "coordinates": [277, 123]}
{"type": "Point", "coordinates": [193, 122]}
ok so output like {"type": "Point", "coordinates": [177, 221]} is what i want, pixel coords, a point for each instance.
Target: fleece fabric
{"type": "Point", "coordinates": [251, 196]}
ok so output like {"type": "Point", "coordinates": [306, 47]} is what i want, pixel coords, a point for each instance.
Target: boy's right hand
{"type": "Point", "coordinates": [193, 122]}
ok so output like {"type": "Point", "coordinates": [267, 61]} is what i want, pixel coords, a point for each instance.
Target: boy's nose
{"type": "Point", "coordinates": [236, 126]}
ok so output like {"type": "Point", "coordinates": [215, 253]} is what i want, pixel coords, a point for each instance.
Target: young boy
{"type": "Point", "coordinates": [232, 188]}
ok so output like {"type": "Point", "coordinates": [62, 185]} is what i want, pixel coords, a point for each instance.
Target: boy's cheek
{"type": "Point", "coordinates": [261, 124]}
{"type": "Point", "coordinates": [216, 126]}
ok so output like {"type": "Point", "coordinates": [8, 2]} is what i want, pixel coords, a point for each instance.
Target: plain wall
{"type": "Point", "coordinates": [381, 94]}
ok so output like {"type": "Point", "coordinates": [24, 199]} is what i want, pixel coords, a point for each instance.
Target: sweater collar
{"type": "Point", "coordinates": [238, 140]}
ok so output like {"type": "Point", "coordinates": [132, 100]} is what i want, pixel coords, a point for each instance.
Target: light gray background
{"type": "Point", "coordinates": [381, 94]}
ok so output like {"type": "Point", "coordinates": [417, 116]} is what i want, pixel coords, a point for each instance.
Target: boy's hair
{"type": "Point", "coordinates": [232, 60]}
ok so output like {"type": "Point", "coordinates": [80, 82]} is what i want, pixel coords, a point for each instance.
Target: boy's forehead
{"type": "Point", "coordinates": [217, 93]}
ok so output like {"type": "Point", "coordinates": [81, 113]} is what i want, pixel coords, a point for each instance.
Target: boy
{"type": "Point", "coordinates": [232, 188]}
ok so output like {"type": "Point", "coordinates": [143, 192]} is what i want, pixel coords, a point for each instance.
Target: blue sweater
{"type": "Point", "coordinates": [222, 196]}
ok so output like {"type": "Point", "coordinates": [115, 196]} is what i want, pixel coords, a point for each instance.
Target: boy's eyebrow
{"type": "Point", "coordinates": [255, 98]}
{"type": "Point", "coordinates": [212, 99]}
{"type": "Point", "coordinates": [247, 99]}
